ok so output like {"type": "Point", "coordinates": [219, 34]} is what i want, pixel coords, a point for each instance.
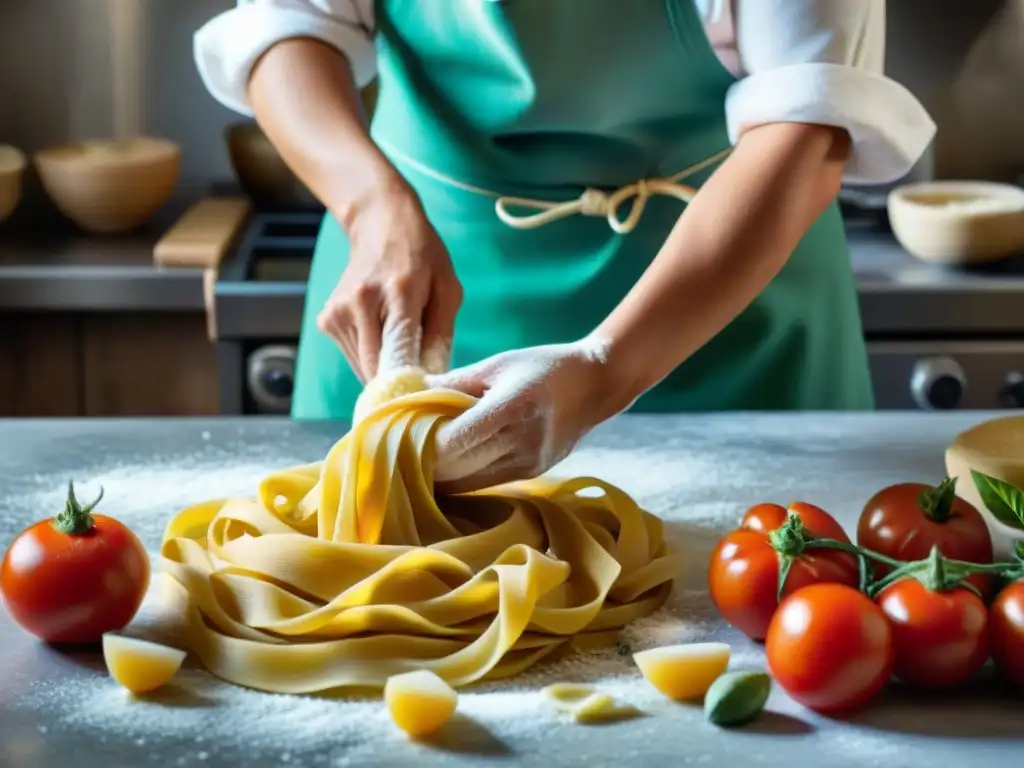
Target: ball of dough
{"type": "Point", "coordinates": [389, 386]}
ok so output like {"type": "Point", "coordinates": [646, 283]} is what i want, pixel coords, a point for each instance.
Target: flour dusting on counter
{"type": "Point", "coordinates": [144, 496]}
{"type": "Point", "coordinates": [697, 472]}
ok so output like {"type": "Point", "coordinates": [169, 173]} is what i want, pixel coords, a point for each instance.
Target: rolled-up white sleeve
{"type": "Point", "coordinates": [227, 47]}
{"type": "Point", "coordinates": [822, 62]}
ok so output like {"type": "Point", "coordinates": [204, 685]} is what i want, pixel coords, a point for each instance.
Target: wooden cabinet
{"type": "Point", "coordinates": [39, 365]}
{"type": "Point", "coordinates": [115, 364]}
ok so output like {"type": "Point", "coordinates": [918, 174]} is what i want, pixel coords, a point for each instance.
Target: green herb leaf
{"type": "Point", "coordinates": [1004, 501]}
{"type": "Point", "coordinates": [1019, 550]}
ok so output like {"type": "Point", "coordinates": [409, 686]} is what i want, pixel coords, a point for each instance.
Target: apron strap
{"type": "Point", "coordinates": [592, 202]}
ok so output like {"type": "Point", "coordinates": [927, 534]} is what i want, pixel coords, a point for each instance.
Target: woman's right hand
{"type": "Point", "coordinates": [396, 301]}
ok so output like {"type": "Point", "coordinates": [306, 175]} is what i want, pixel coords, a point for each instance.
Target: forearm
{"type": "Point", "coordinates": [731, 241]}
{"type": "Point", "coordinates": [304, 99]}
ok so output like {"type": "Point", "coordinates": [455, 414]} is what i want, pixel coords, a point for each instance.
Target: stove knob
{"type": "Point", "coordinates": [279, 383]}
{"type": "Point", "coordinates": [938, 384]}
{"type": "Point", "coordinates": [271, 377]}
{"type": "Point", "coordinates": [1012, 393]}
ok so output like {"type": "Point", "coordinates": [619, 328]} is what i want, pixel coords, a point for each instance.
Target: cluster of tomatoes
{"type": "Point", "coordinates": [911, 599]}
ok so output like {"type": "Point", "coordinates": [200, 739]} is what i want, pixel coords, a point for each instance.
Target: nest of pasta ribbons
{"type": "Point", "coordinates": [346, 572]}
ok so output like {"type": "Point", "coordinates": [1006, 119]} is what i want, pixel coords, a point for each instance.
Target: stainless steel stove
{"type": "Point", "coordinates": [257, 306]}
{"type": "Point", "coordinates": [938, 339]}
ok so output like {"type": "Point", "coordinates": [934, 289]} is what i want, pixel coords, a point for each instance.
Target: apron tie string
{"type": "Point", "coordinates": [592, 202]}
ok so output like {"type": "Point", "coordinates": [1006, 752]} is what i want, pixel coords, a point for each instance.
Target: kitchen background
{"type": "Point", "coordinates": [91, 325]}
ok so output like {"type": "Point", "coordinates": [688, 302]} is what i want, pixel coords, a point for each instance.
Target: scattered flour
{"type": "Point", "coordinates": [203, 719]}
{"type": "Point", "coordinates": [145, 496]}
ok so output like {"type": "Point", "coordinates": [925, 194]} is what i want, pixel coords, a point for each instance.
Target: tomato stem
{"type": "Point", "coordinates": [76, 520]}
{"type": "Point", "coordinates": [941, 574]}
{"type": "Point", "coordinates": [854, 550]}
{"type": "Point", "coordinates": [937, 503]}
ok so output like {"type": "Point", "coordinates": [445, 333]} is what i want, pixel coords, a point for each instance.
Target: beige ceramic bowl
{"type": "Point", "coordinates": [12, 169]}
{"type": "Point", "coordinates": [110, 186]}
{"type": "Point", "coordinates": [958, 222]}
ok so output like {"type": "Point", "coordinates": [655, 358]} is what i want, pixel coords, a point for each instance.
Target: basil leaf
{"type": "Point", "coordinates": [1019, 549]}
{"type": "Point", "coordinates": [1004, 501]}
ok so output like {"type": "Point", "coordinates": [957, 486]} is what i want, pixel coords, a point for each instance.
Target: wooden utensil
{"type": "Point", "coordinates": [201, 237]}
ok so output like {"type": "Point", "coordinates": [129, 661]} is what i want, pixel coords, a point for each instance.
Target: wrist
{"type": "Point", "coordinates": [373, 187]}
{"type": "Point", "coordinates": [620, 382]}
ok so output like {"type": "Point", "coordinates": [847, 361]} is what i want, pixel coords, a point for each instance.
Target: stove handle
{"type": "Point", "coordinates": [938, 384]}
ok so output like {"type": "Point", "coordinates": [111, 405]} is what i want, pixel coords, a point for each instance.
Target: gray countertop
{"type": "Point", "coordinates": [697, 472]}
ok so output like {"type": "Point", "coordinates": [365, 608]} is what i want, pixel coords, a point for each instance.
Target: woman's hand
{"type": "Point", "coordinates": [535, 405]}
{"type": "Point", "coordinates": [396, 301]}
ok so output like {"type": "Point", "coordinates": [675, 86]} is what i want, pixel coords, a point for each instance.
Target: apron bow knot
{"type": "Point", "coordinates": [595, 202]}
{"type": "Point", "coordinates": [591, 202]}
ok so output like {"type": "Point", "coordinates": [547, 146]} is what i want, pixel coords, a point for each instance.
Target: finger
{"type": "Point", "coordinates": [335, 323]}
{"type": "Point", "coordinates": [439, 328]}
{"type": "Point", "coordinates": [498, 473]}
{"type": "Point", "coordinates": [484, 421]}
{"type": "Point", "coordinates": [402, 334]}
{"type": "Point", "coordinates": [436, 355]}
{"type": "Point", "coordinates": [456, 465]}
{"type": "Point", "coordinates": [471, 379]}
{"type": "Point", "coordinates": [368, 337]}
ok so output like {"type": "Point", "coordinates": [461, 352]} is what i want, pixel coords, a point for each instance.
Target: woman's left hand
{"type": "Point", "coordinates": [535, 405]}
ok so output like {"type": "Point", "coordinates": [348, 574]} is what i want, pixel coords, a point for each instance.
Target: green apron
{"type": "Point", "coordinates": [541, 99]}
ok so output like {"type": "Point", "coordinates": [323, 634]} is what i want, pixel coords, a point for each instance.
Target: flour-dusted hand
{"type": "Point", "coordinates": [395, 303]}
{"type": "Point", "coordinates": [535, 405]}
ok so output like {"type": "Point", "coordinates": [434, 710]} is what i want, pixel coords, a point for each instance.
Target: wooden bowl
{"type": "Point", "coordinates": [12, 170]}
{"type": "Point", "coordinates": [110, 186]}
{"type": "Point", "coordinates": [958, 222]}
{"type": "Point", "coordinates": [262, 173]}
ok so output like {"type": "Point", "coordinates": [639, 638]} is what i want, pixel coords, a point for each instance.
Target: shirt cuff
{"type": "Point", "coordinates": [889, 128]}
{"type": "Point", "coordinates": [227, 48]}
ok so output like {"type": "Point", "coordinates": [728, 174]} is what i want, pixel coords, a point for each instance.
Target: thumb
{"type": "Point", "coordinates": [472, 380]}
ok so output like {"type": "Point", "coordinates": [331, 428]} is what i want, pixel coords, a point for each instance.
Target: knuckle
{"type": "Point", "coordinates": [453, 292]}
{"type": "Point", "coordinates": [401, 284]}
{"type": "Point", "coordinates": [365, 294]}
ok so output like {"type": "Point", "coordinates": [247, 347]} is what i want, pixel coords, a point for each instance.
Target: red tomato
{"type": "Point", "coordinates": [743, 576]}
{"type": "Point", "coordinates": [71, 578]}
{"type": "Point", "coordinates": [1006, 630]}
{"type": "Point", "coordinates": [830, 648]}
{"type": "Point", "coordinates": [941, 638]}
{"type": "Point", "coordinates": [906, 521]}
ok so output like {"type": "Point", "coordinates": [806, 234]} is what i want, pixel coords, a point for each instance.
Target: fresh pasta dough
{"type": "Point", "coordinates": [344, 573]}
{"type": "Point", "coordinates": [586, 705]}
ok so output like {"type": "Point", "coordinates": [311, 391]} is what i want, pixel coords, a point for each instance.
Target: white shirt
{"type": "Point", "coordinates": [807, 61]}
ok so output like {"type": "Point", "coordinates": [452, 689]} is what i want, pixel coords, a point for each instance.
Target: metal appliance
{"type": "Point", "coordinates": [258, 302]}
{"type": "Point", "coordinates": [938, 339]}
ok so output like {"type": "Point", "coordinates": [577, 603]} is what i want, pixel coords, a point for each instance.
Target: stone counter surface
{"type": "Point", "coordinates": [697, 472]}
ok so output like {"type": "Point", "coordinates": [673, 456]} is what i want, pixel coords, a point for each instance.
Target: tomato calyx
{"type": "Point", "coordinates": [789, 541]}
{"type": "Point", "coordinates": [76, 520]}
{"type": "Point", "coordinates": [939, 573]}
{"type": "Point", "coordinates": [792, 539]}
{"type": "Point", "coordinates": [937, 503]}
